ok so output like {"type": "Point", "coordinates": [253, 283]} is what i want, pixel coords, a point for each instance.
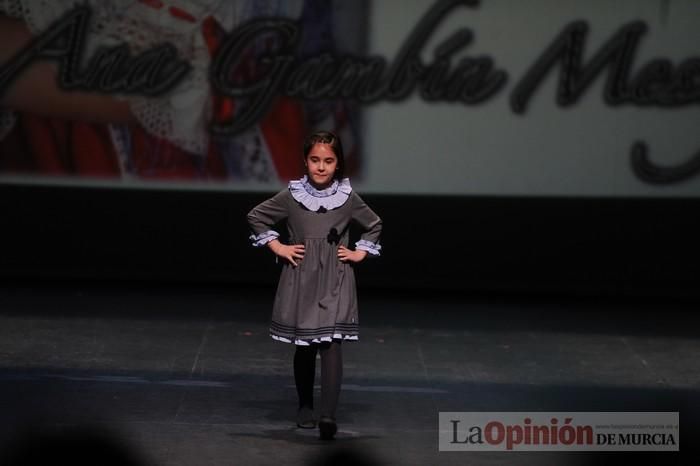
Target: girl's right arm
{"type": "Point", "coordinates": [262, 219]}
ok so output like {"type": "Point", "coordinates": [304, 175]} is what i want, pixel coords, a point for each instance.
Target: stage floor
{"type": "Point", "coordinates": [189, 376]}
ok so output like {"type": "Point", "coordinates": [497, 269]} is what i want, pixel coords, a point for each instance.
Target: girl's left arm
{"type": "Point", "coordinates": [370, 223]}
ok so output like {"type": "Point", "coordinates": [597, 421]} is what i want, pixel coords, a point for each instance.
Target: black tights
{"type": "Point", "coordinates": [331, 375]}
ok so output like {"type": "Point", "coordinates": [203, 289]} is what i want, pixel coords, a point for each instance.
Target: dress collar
{"type": "Point", "coordinates": [313, 199]}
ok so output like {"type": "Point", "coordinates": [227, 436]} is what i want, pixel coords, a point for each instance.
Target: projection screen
{"type": "Point", "coordinates": [497, 97]}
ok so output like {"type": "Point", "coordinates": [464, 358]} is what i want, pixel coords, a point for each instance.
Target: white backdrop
{"type": "Point", "coordinates": [424, 148]}
{"type": "Point", "coordinates": [415, 147]}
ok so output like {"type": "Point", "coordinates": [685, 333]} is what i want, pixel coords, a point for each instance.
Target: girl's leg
{"type": "Point", "coordinates": [305, 373]}
{"type": "Point", "coordinates": [331, 377]}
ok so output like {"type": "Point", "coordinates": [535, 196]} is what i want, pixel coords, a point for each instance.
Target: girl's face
{"type": "Point", "coordinates": [321, 164]}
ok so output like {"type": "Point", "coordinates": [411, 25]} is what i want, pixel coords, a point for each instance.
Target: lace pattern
{"type": "Point", "coordinates": [307, 342]}
{"type": "Point", "coordinates": [313, 199]}
{"type": "Point", "coordinates": [12, 8]}
{"type": "Point", "coordinates": [183, 115]}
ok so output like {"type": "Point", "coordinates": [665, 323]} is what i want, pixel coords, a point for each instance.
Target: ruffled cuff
{"type": "Point", "coordinates": [264, 238]}
{"type": "Point", "coordinates": [370, 247]}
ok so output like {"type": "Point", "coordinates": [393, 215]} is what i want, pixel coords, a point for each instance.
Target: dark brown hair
{"type": "Point", "coordinates": [326, 137]}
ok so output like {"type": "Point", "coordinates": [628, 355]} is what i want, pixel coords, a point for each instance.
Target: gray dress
{"type": "Point", "coordinates": [316, 301]}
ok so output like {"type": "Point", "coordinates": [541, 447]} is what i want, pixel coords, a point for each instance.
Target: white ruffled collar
{"type": "Point", "coordinates": [313, 199]}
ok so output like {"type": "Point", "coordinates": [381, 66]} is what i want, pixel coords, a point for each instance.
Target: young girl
{"type": "Point", "coordinates": [316, 304]}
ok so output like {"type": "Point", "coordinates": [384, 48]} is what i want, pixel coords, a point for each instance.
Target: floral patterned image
{"type": "Point", "coordinates": [49, 131]}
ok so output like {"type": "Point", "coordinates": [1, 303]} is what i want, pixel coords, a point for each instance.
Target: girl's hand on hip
{"type": "Point", "coordinates": [288, 252]}
{"type": "Point", "coordinates": [348, 255]}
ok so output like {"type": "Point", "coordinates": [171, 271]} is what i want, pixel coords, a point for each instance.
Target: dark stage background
{"type": "Point", "coordinates": [591, 246]}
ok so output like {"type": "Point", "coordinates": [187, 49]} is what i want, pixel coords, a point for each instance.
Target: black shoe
{"type": "Point", "coordinates": [327, 427]}
{"type": "Point", "coordinates": [305, 418]}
